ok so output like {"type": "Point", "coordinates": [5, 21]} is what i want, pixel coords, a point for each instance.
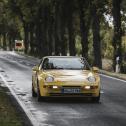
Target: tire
{"type": "Point", "coordinates": [33, 92]}
{"type": "Point", "coordinates": [39, 98]}
{"type": "Point", "coordinates": [96, 99]}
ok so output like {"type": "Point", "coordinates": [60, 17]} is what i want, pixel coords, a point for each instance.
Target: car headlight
{"type": "Point", "coordinates": [91, 79]}
{"type": "Point", "coordinates": [49, 79]}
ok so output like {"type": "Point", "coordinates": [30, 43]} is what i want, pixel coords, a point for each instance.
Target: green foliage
{"type": "Point", "coordinates": [106, 35]}
{"type": "Point", "coordinates": [124, 47]}
{"type": "Point", "coordinates": [59, 26]}
{"type": "Point", "coordinates": [78, 45]}
{"type": "Point", "coordinates": [8, 114]}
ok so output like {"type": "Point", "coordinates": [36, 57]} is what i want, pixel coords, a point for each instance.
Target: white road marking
{"type": "Point", "coordinates": [28, 64]}
{"type": "Point", "coordinates": [21, 61]}
{"type": "Point", "coordinates": [28, 113]}
{"type": "Point", "coordinates": [114, 78]}
{"type": "Point", "coordinates": [102, 92]}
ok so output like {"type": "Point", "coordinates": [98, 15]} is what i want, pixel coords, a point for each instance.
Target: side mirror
{"type": "Point", "coordinates": [35, 68]}
{"type": "Point", "coordinates": [95, 69]}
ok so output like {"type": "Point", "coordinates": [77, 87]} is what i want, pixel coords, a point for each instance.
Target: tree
{"type": "Point", "coordinates": [51, 27]}
{"type": "Point", "coordinates": [71, 31]}
{"type": "Point", "coordinates": [85, 20]}
{"type": "Point", "coordinates": [96, 33]}
{"type": "Point", "coordinates": [117, 31]}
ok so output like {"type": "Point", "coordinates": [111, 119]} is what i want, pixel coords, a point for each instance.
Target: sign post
{"type": "Point", "coordinates": [117, 65]}
{"type": "Point", "coordinates": [19, 45]}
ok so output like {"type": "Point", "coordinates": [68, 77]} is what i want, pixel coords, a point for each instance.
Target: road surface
{"type": "Point", "coordinates": [111, 111]}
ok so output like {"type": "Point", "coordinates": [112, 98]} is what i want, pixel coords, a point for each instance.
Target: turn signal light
{"type": "Point", "coordinates": [94, 87]}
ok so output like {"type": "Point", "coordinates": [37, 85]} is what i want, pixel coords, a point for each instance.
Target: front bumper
{"type": "Point", "coordinates": [48, 90]}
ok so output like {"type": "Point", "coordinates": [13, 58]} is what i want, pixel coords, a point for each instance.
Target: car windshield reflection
{"type": "Point", "coordinates": [65, 64]}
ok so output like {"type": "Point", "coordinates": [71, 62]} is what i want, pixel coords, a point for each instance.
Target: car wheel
{"type": "Point", "coordinates": [38, 94]}
{"type": "Point", "coordinates": [33, 92]}
{"type": "Point", "coordinates": [96, 99]}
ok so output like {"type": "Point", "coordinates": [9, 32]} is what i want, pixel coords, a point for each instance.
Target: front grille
{"type": "Point", "coordinates": [71, 86]}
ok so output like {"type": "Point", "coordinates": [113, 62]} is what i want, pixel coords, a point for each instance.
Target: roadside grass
{"type": "Point", "coordinates": [8, 113]}
{"type": "Point", "coordinates": [108, 70]}
{"type": "Point", "coordinates": [113, 74]}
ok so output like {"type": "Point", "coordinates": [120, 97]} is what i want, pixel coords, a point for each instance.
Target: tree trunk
{"type": "Point", "coordinates": [85, 21]}
{"type": "Point", "coordinates": [10, 43]}
{"type": "Point", "coordinates": [56, 32]}
{"type": "Point", "coordinates": [63, 28]}
{"type": "Point", "coordinates": [72, 49]}
{"type": "Point", "coordinates": [71, 33]}
{"type": "Point", "coordinates": [50, 34]}
{"type": "Point", "coordinates": [31, 41]}
{"type": "Point", "coordinates": [38, 33]}
{"type": "Point", "coordinates": [45, 26]}
{"type": "Point", "coordinates": [4, 42]}
{"type": "Point", "coordinates": [96, 37]}
{"type": "Point", "coordinates": [63, 40]}
{"type": "Point", "coordinates": [117, 32]}
{"type": "Point", "coordinates": [26, 44]}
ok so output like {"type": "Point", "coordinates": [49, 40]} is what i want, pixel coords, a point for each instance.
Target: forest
{"type": "Point", "coordinates": [94, 29]}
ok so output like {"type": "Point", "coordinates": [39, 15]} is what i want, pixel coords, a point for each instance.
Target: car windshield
{"type": "Point", "coordinates": [65, 63]}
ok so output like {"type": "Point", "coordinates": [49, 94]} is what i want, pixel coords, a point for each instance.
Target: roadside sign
{"type": "Point", "coordinates": [19, 45]}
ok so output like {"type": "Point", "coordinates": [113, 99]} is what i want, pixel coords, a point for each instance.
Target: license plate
{"type": "Point", "coordinates": [70, 90]}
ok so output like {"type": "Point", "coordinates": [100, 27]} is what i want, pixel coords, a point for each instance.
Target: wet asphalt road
{"type": "Point", "coordinates": [111, 111]}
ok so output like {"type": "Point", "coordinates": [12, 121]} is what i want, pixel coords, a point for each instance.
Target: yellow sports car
{"type": "Point", "coordinates": [65, 76]}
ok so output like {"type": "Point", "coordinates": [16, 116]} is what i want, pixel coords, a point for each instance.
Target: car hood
{"type": "Point", "coordinates": [68, 75]}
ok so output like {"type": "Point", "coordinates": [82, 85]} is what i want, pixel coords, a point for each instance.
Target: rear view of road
{"type": "Point", "coordinates": [111, 111]}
